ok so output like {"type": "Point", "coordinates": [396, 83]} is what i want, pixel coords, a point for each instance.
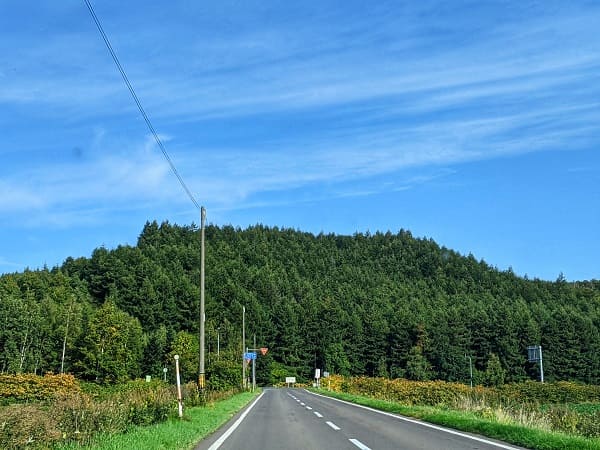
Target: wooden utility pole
{"type": "Point", "coordinates": [201, 372]}
{"type": "Point", "coordinates": [244, 347]}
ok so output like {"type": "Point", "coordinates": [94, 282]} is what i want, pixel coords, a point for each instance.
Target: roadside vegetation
{"type": "Point", "coordinates": [533, 415]}
{"type": "Point", "coordinates": [41, 412]}
{"type": "Point", "coordinates": [176, 434]}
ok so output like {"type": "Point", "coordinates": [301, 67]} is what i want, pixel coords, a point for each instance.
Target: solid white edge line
{"type": "Point", "coordinates": [333, 425]}
{"type": "Point", "coordinates": [233, 427]}
{"type": "Point", "coordinates": [359, 444]}
{"type": "Point", "coordinates": [424, 424]}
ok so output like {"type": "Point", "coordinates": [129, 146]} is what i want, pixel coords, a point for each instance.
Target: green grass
{"type": "Point", "coordinates": [585, 408]}
{"type": "Point", "coordinates": [175, 434]}
{"type": "Point", "coordinates": [469, 422]}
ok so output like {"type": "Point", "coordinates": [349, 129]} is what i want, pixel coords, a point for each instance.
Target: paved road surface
{"type": "Point", "coordinates": [296, 419]}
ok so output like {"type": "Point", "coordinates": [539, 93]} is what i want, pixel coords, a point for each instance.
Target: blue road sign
{"type": "Point", "coordinates": [250, 355]}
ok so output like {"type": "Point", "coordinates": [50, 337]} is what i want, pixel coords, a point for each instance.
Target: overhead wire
{"type": "Point", "coordinates": [139, 104]}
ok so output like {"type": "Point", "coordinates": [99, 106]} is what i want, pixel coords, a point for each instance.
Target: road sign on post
{"type": "Point", "coordinates": [263, 350]}
{"type": "Point", "coordinates": [534, 354]}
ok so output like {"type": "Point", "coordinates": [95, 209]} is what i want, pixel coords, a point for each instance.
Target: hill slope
{"type": "Point", "coordinates": [382, 304]}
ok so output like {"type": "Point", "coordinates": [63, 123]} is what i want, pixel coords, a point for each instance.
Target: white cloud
{"type": "Point", "coordinates": [10, 265]}
{"type": "Point", "coordinates": [79, 191]}
{"type": "Point", "coordinates": [400, 102]}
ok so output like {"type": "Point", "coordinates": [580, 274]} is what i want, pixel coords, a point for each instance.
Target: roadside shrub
{"type": "Point", "coordinates": [435, 393]}
{"type": "Point", "coordinates": [589, 424]}
{"type": "Point", "coordinates": [77, 416]}
{"type": "Point", "coordinates": [30, 387]}
{"type": "Point", "coordinates": [148, 406]}
{"type": "Point", "coordinates": [563, 419]}
{"type": "Point", "coordinates": [559, 392]}
{"type": "Point", "coordinates": [80, 417]}
{"type": "Point", "coordinates": [27, 426]}
{"type": "Point", "coordinates": [565, 407]}
{"type": "Point", "coordinates": [223, 376]}
{"type": "Point", "coordinates": [73, 415]}
{"type": "Point", "coordinates": [432, 393]}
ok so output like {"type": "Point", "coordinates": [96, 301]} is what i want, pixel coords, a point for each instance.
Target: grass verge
{"type": "Point", "coordinates": [174, 434]}
{"type": "Point", "coordinates": [465, 421]}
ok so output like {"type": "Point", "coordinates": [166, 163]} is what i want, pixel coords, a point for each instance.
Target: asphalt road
{"type": "Point", "coordinates": [296, 419]}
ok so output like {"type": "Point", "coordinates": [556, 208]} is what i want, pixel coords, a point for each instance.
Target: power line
{"type": "Point", "coordinates": [139, 105]}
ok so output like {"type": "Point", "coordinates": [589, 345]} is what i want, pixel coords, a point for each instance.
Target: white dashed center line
{"type": "Point", "coordinates": [318, 414]}
{"type": "Point", "coordinates": [333, 425]}
{"type": "Point", "coordinates": [359, 444]}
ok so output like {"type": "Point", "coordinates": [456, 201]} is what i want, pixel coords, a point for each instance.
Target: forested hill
{"type": "Point", "coordinates": [375, 304]}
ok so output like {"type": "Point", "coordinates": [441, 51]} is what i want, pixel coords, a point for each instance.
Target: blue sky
{"type": "Point", "coordinates": [472, 123]}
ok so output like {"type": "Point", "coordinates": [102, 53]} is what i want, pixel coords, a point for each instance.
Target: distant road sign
{"type": "Point", "coordinates": [263, 350]}
{"type": "Point", "coordinates": [317, 373]}
{"type": "Point", "coordinates": [290, 380]}
{"type": "Point", "coordinates": [533, 353]}
{"type": "Point", "coordinates": [250, 355]}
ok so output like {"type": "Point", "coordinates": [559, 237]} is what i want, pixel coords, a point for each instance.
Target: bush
{"type": "Point", "coordinates": [589, 424]}
{"type": "Point", "coordinates": [223, 376]}
{"type": "Point", "coordinates": [559, 392]}
{"type": "Point", "coordinates": [431, 393]}
{"type": "Point", "coordinates": [547, 406]}
{"type": "Point", "coordinates": [80, 417]}
{"type": "Point", "coordinates": [435, 393]}
{"type": "Point", "coordinates": [29, 387]}
{"type": "Point", "coordinates": [73, 415]}
{"type": "Point", "coordinates": [27, 426]}
{"type": "Point", "coordinates": [77, 416]}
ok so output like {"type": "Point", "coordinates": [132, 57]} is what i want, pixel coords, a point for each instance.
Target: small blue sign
{"type": "Point", "coordinates": [250, 355]}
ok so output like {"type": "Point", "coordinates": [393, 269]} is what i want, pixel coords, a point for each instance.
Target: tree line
{"type": "Point", "coordinates": [382, 304]}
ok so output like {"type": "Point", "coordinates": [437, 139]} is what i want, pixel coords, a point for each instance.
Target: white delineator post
{"type": "Point", "coordinates": [541, 366]}
{"type": "Point", "coordinates": [179, 399]}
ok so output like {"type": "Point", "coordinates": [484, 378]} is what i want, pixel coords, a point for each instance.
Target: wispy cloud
{"type": "Point", "coordinates": [382, 95]}
{"type": "Point", "coordinates": [10, 264]}
{"type": "Point", "coordinates": [277, 69]}
{"type": "Point", "coordinates": [66, 194]}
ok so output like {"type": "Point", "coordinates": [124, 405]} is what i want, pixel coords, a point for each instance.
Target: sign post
{"type": "Point", "coordinates": [250, 355]}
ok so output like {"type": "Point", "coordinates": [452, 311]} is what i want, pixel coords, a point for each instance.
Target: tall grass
{"type": "Point", "coordinates": [173, 434]}
{"type": "Point", "coordinates": [77, 416]}
{"type": "Point", "coordinates": [563, 406]}
{"type": "Point", "coordinates": [491, 422]}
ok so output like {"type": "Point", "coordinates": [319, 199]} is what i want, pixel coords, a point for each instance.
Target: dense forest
{"type": "Point", "coordinates": [378, 304]}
